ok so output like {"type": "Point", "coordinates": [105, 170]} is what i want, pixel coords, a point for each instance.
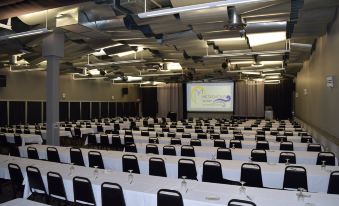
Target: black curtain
{"type": "Point", "coordinates": [120, 109]}
{"type": "Point", "coordinates": [16, 112]}
{"type": "Point", "coordinates": [3, 113]}
{"type": "Point", "coordinates": [279, 96]}
{"type": "Point", "coordinates": [63, 111]}
{"type": "Point", "coordinates": [104, 109]}
{"type": "Point", "coordinates": [95, 110]}
{"type": "Point", "coordinates": [112, 109]}
{"type": "Point", "coordinates": [85, 110]}
{"type": "Point", "coordinates": [184, 100]}
{"type": "Point", "coordinates": [149, 101]}
{"type": "Point", "coordinates": [34, 112]}
{"type": "Point", "coordinates": [74, 111]}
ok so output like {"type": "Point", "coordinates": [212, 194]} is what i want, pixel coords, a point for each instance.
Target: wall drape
{"type": "Point", "coordinates": [249, 99]}
{"type": "Point", "coordinates": [170, 99]}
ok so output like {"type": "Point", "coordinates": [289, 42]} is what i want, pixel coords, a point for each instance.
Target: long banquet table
{"type": "Point", "coordinates": [272, 174]}
{"type": "Point", "coordinates": [26, 138]}
{"type": "Point", "coordinates": [22, 202]}
{"type": "Point", "coordinates": [142, 191]}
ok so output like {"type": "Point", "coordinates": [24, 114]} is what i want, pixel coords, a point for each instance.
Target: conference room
{"type": "Point", "coordinates": [169, 102]}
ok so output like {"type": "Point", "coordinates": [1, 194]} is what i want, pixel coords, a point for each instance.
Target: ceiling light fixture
{"type": "Point", "coordinates": [116, 63]}
{"type": "Point", "coordinates": [23, 34]}
{"type": "Point", "coordinates": [272, 81]}
{"type": "Point", "coordinates": [176, 10]}
{"type": "Point", "coordinates": [251, 73]}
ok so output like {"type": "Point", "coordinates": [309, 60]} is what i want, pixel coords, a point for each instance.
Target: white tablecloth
{"type": "Point", "coordinates": [272, 173]}
{"type": "Point", "coordinates": [142, 191]}
{"type": "Point", "coordinates": [26, 138]}
{"type": "Point", "coordinates": [22, 202]}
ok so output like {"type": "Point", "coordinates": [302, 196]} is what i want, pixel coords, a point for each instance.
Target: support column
{"type": "Point", "coordinates": [53, 50]}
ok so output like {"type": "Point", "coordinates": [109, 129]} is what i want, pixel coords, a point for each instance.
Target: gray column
{"type": "Point", "coordinates": [53, 50]}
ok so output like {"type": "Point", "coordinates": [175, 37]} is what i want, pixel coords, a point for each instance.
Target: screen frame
{"type": "Point", "coordinates": [198, 111]}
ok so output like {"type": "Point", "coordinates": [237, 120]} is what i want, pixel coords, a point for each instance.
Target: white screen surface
{"type": "Point", "coordinates": [210, 97]}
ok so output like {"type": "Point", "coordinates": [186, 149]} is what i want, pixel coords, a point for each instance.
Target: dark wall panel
{"type": "Point", "coordinates": [44, 111]}
{"type": "Point", "coordinates": [3, 113]}
{"type": "Point", "coordinates": [133, 112]}
{"type": "Point", "coordinates": [126, 109]}
{"type": "Point", "coordinates": [74, 111]}
{"type": "Point", "coordinates": [95, 110]}
{"type": "Point", "coordinates": [149, 102]}
{"type": "Point", "coordinates": [104, 109]}
{"type": "Point", "coordinates": [63, 111]}
{"type": "Point", "coordinates": [16, 112]}
{"type": "Point", "coordinates": [120, 109]}
{"type": "Point", "coordinates": [85, 110]}
{"type": "Point", "coordinates": [112, 109]}
{"type": "Point", "coordinates": [34, 112]}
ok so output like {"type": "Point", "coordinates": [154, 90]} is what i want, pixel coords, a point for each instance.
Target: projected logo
{"type": "Point", "coordinates": [197, 92]}
{"type": "Point", "coordinates": [222, 101]}
{"type": "Point", "coordinates": [201, 97]}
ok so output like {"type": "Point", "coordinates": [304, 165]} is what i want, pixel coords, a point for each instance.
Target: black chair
{"type": "Point", "coordinates": [288, 133]}
{"type": "Point", "coordinates": [202, 136]}
{"type": "Point", "coordinates": [167, 197]}
{"type": "Point", "coordinates": [224, 153]}
{"type": "Point", "coordinates": [281, 138]}
{"type": "Point", "coordinates": [36, 184]}
{"type": "Point", "coordinates": [83, 192]}
{"type": "Point", "coordinates": [212, 172]}
{"type": "Point", "coordinates": [175, 141]}
{"type": "Point", "coordinates": [195, 142]}
{"type": "Point", "coordinates": [224, 131]}
{"type": "Point", "coordinates": [235, 143]}
{"type": "Point", "coordinates": [186, 135]}
{"type": "Point", "coordinates": [186, 167]}
{"type": "Point", "coordinates": [32, 153]}
{"type": "Point", "coordinates": [92, 140]}
{"type": "Point", "coordinates": [52, 154]}
{"type": "Point", "coordinates": [128, 139]}
{"type": "Point", "coordinates": [295, 177]}
{"type": "Point", "coordinates": [314, 148]}
{"type": "Point", "coordinates": [260, 137]}
{"type": "Point", "coordinates": [160, 134]}
{"type": "Point", "coordinates": [130, 162]}
{"type": "Point", "coordinates": [145, 133]}
{"type": "Point", "coordinates": [17, 140]}
{"type": "Point", "coordinates": [251, 175]}
{"type": "Point", "coordinates": [187, 151]}
{"type": "Point", "coordinates": [56, 188]}
{"type": "Point", "coordinates": [152, 149]}
{"type": "Point", "coordinates": [238, 137]}
{"type": "Point", "coordinates": [214, 136]}
{"type": "Point", "coordinates": [128, 133]}
{"type": "Point", "coordinates": [199, 130]}
{"type": "Point", "coordinates": [327, 157]}
{"type": "Point", "coordinates": [16, 178]}
{"type": "Point", "coordinates": [288, 146]}
{"type": "Point", "coordinates": [95, 159]}
{"type": "Point", "coordinates": [116, 142]}
{"type": "Point", "coordinates": [104, 141]}
{"type": "Point", "coordinates": [306, 139]}
{"type": "Point", "coordinates": [258, 155]}
{"type": "Point", "coordinates": [112, 194]}
{"type": "Point", "coordinates": [236, 202]}
{"type": "Point", "coordinates": [274, 133]}
{"type": "Point", "coordinates": [287, 155]}
{"type": "Point", "coordinates": [100, 129]}
{"type": "Point", "coordinates": [220, 143]}
{"type": "Point", "coordinates": [153, 140]}
{"type": "Point", "coordinates": [261, 132]}
{"type": "Point", "coordinates": [169, 150]}
{"type": "Point", "coordinates": [76, 156]}
{"type": "Point", "coordinates": [180, 130]}
{"type": "Point", "coordinates": [131, 148]}
{"type": "Point", "coordinates": [333, 186]}
{"type": "Point", "coordinates": [263, 145]}
{"type": "Point", "coordinates": [157, 167]}
{"type": "Point", "coordinates": [171, 134]}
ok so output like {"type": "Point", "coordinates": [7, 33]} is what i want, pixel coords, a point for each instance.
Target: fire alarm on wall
{"type": "Point", "coordinates": [330, 81]}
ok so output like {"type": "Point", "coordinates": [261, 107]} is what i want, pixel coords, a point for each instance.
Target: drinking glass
{"type": "Point", "coordinates": [323, 165]}
{"type": "Point", "coordinates": [130, 176]}
{"type": "Point", "coordinates": [287, 161]}
{"type": "Point", "coordinates": [242, 188]}
{"type": "Point", "coordinates": [183, 183]}
{"type": "Point", "coordinates": [96, 172]}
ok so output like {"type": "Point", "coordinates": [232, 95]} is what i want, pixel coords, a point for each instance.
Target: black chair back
{"type": "Point", "coordinates": [130, 162]}
{"type": "Point", "coordinates": [171, 134]}
{"type": "Point", "coordinates": [131, 148]}
{"type": "Point", "coordinates": [15, 174]}
{"type": "Point", "coordinates": [83, 192]}
{"type": "Point", "coordinates": [152, 149]}
{"type": "Point", "coordinates": [306, 139]}
{"type": "Point", "coordinates": [52, 154]}
{"type": "Point", "coordinates": [263, 145]}
{"type": "Point", "coordinates": [153, 140]}
{"type": "Point", "coordinates": [195, 142]}
{"type": "Point", "coordinates": [76, 156]}
{"type": "Point", "coordinates": [112, 194]}
{"type": "Point", "coordinates": [238, 136]}
{"type": "Point", "coordinates": [295, 177]}
{"type": "Point", "coordinates": [145, 133]}
{"type": "Point", "coordinates": [187, 151]}
{"type": "Point", "coordinates": [157, 167]}
{"type": "Point", "coordinates": [224, 153]}
{"type": "Point", "coordinates": [175, 141]}
{"type": "Point", "coordinates": [56, 186]}
{"type": "Point", "coordinates": [258, 155]}
{"type": "Point", "coordinates": [95, 159]}
{"type": "Point", "coordinates": [186, 167]}
{"type": "Point", "coordinates": [32, 153]}
{"type": "Point", "coordinates": [214, 136]}
{"type": "Point", "coordinates": [169, 150]}
{"type": "Point", "coordinates": [288, 146]}
{"type": "Point", "coordinates": [235, 143]}
{"type": "Point", "coordinates": [327, 157]}
{"type": "Point", "coordinates": [251, 175]}
{"type": "Point", "coordinates": [212, 172]}
{"type": "Point", "coordinates": [201, 135]}
{"type": "Point", "coordinates": [281, 138]}
{"type": "Point", "coordinates": [17, 140]}
{"type": "Point", "coordinates": [104, 141]}
{"type": "Point", "coordinates": [314, 148]}
{"type": "Point", "coordinates": [35, 180]}
{"type": "Point", "coordinates": [92, 140]}
{"type": "Point", "coordinates": [186, 135]}
{"type": "Point", "coordinates": [287, 155]}
{"type": "Point", "coordinates": [128, 139]}
{"type": "Point", "coordinates": [260, 137]}
{"type": "Point", "coordinates": [167, 197]}
{"type": "Point", "coordinates": [333, 186]}
{"type": "Point", "coordinates": [236, 202]}
{"type": "Point", "coordinates": [220, 143]}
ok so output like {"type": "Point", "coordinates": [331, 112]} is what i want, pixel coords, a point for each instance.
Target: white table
{"type": "Point", "coordinates": [272, 174]}
{"type": "Point", "coordinates": [26, 138]}
{"type": "Point", "coordinates": [62, 133]}
{"type": "Point", "coordinates": [22, 202]}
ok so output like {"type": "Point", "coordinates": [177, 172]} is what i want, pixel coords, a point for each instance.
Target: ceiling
{"type": "Point", "coordinates": [106, 39]}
